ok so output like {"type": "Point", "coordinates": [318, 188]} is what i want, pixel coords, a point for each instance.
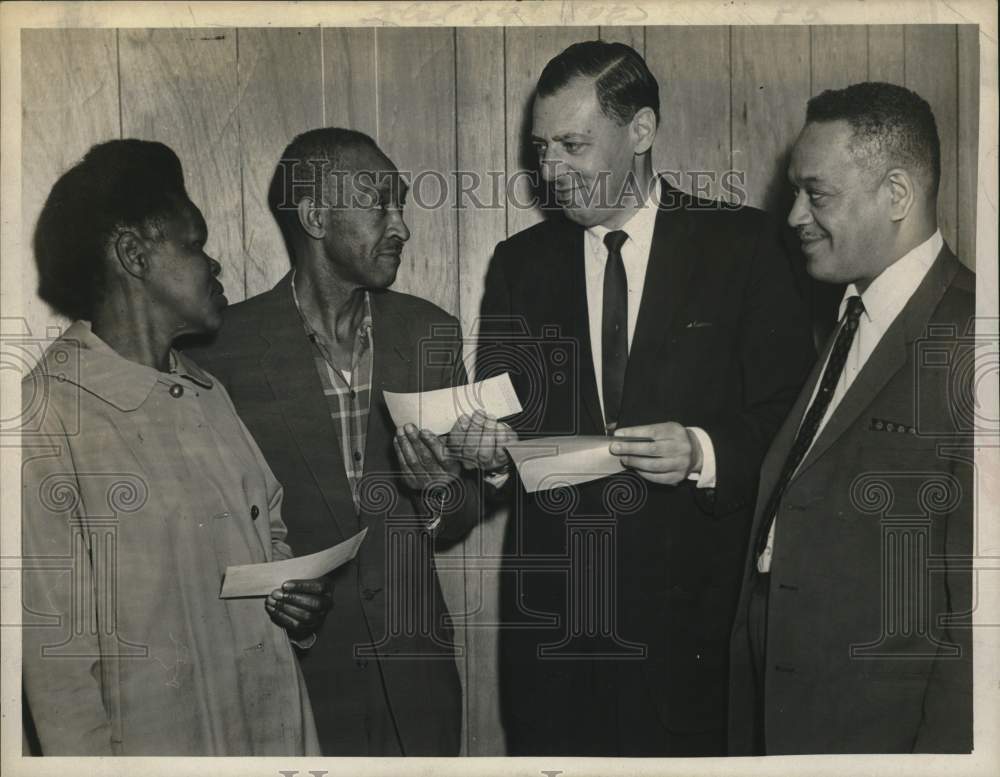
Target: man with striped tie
{"type": "Point", "coordinates": [852, 632]}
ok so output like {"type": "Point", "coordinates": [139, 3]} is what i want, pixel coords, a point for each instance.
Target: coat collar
{"type": "Point", "coordinates": [82, 358]}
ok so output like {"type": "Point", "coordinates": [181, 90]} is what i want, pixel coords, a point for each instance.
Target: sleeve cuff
{"type": "Point", "coordinates": [306, 643]}
{"type": "Point", "coordinates": [705, 478]}
{"type": "Point", "coordinates": [497, 479]}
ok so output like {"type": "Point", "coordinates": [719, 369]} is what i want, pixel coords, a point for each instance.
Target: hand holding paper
{"type": "Point", "coordinates": [262, 579]}
{"type": "Point", "coordinates": [300, 606]}
{"type": "Point", "coordinates": [480, 442]}
{"type": "Point", "coordinates": [439, 410]}
{"type": "Point", "coordinates": [554, 462]}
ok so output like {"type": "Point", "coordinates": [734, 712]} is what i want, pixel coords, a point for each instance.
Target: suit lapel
{"type": "Point", "coordinates": [672, 259]}
{"type": "Point", "coordinates": [889, 355]}
{"type": "Point", "coordinates": [289, 368]}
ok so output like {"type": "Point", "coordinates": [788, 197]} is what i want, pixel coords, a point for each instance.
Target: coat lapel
{"type": "Point", "coordinates": [393, 369]}
{"type": "Point", "coordinates": [889, 355]}
{"type": "Point", "coordinates": [288, 366]}
{"type": "Point", "coordinates": [672, 256]}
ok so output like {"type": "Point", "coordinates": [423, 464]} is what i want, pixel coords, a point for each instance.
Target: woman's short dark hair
{"type": "Point", "coordinates": [623, 81]}
{"type": "Point", "coordinates": [118, 184]}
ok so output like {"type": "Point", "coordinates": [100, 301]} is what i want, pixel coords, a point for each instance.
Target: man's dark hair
{"type": "Point", "coordinates": [305, 167]}
{"type": "Point", "coordinates": [624, 83]}
{"type": "Point", "coordinates": [891, 126]}
{"type": "Point", "coordinates": [118, 185]}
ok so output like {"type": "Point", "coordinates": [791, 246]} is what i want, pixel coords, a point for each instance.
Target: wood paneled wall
{"type": "Point", "coordinates": [446, 99]}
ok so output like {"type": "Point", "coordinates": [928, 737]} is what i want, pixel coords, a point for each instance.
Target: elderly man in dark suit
{"type": "Point", "coordinates": [852, 633]}
{"type": "Point", "coordinates": [306, 365]}
{"type": "Point", "coordinates": [638, 312]}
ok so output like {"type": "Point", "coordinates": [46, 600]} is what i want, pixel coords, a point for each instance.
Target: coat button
{"type": "Point", "coordinates": [177, 391]}
{"type": "Point", "coordinates": [357, 455]}
{"type": "Point", "coordinates": [361, 663]}
{"type": "Point", "coordinates": [254, 512]}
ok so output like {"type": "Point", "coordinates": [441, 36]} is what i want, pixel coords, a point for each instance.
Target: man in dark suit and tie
{"type": "Point", "coordinates": [306, 365]}
{"type": "Point", "coordinates": [638, 311]}
{"type": "Point", "coordinates": [852, 633]}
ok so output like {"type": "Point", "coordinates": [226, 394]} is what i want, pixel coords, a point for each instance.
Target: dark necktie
{"type": "Point", "coordinates": [814, 415]}
{"type": "Point", "coordinates": [614, 328]}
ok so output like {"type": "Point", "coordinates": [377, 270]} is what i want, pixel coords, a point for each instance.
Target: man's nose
{"type": "Point", "coordinates": [397, 226]}
{"type": "Point", "coordinates": [552, 166]}
{"type": "Point", "coordinates": [800, 215]}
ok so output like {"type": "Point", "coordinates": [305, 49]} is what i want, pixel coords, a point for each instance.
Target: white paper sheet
{"type": "Point", "coordinates": [553, 462]}
{"type": "Point", "coordinates": [261, 579]}
{"type": "Point", "coordinates": [438, 410]}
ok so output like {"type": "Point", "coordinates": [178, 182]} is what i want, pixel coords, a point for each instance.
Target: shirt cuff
{"type": "Point", "coordinates": [705, 478]}
{"type": "Point", "coordinates": [305, 643]}
{"type": "Point", "coordinates": [498, 478]}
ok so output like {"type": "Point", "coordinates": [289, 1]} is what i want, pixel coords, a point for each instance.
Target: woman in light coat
{"type": "Point", "coordinates": [140, 485]}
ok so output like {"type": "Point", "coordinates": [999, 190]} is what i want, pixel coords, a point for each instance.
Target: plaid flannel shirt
{"type": "Point", "coordinates": [349, 401]}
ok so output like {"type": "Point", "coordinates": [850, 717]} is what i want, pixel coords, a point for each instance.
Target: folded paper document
{"type": "Point", "coordinates": [438, 410]}
{"type": "Point", "coordinates": [261, 579]}
{"type": "Point", "coordinates": [554, 462]}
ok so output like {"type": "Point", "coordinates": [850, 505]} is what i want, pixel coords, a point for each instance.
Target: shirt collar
{"type": "Point", "coordinates": [639, 227]}
{"type": "Point", "coordinates": [886, 296]}
{"type": "Point", "coordinates": [82, 358]}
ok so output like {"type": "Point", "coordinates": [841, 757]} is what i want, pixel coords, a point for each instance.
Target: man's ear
{"type": "Point", "coordinates": [643, 129]}
{"type": "Point", "coordinates": [311, 218]}
{"type": "Point", "coordinates": [131, 252]}
{"type": "Point", "coordinates": [902, 193]}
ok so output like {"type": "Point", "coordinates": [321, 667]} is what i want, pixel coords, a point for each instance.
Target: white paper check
{"type": "Point", "coordinates": [438, 410]}
{"type": "Point", "coordinates": [553, 462]}
{"type": "Point", "coordinates": [261, 579]}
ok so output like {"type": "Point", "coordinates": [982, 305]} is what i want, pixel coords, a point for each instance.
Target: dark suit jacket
{"type": "Point", "coordinates": [266, 363]}
{"type": "Point", "coordinates": [722, 342]}
{"type": "Point", "coordinates": [871, 551]}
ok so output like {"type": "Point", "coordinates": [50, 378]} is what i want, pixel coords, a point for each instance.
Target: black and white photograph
{"type": "Point", "coordinates": [539, 388]}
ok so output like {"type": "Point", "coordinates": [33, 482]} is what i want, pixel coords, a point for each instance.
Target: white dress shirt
{"type": "Point", "coordinates": [635, 256]}
{"type": "Point", "coordinates": [884, 299]}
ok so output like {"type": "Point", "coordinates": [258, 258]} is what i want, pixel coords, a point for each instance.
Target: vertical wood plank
{"type": "Point", "coordinates": [280, 96]}
{"type": "Point", "coordinates": [179, 87]}
{"type": "Point", "coordinates": [481, 225]}
{"type": "Point", "coordinates": [885, 53]}
{"type": "Point", "coordinates": [692, 66]}
{"type": "Point", "coordinates": [839, 56]}
{"type": "Point", "coordinates": [349, 67]}
{"type": "Point", "coordinates": [416, 118]}
{"type": "Point", "coordinates": [526, 52]}
{"type": "Point", "coordinates": [932, 72]}
{"type": "Point", "coordinates": [968, 141]}
{"type": "Point", "coordinates": [630, 36]}
{"type": "Point", "coordinates": [770, 90]}
{"type": "Point", "coordinates": [69, 88]}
